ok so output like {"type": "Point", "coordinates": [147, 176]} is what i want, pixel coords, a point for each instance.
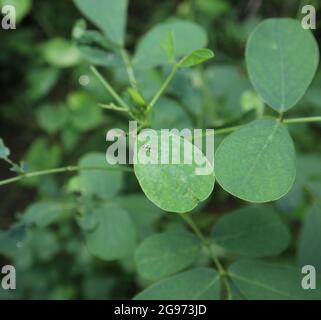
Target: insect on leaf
{"type": "Point", "coordinates": [172, 185]}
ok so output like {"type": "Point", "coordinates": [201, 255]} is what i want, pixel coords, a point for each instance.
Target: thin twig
{"type": "Point", "coordinates": [163, 87]}
{"type": "Point", "coordinates": [109, 88]}
{"type": "Point", "coordinates": [221, 270]}
{"type": "Point", "coordinates": [61, 170]}
{"type": "Point", "coordinates": [129, 67]}
{"type": "Point", "coordinates": [302, 120]}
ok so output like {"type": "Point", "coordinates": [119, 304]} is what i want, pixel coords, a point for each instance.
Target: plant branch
{"type": "Point", "coordinates": [223, 273]}
{"type": "Point", "coordinates": [129, 68]}
{"type": "Point", "coordinates": [302, 120]}
{"type": "Point", "coordinates": [61, 170]}
{"type": "Point", "coordinates": [9, 161]}
{"type": "Point", "coordinates": [226, 130]}
{"type": "Point", "coordinates": [285, 121]}
{"type": "Point", "coordinates": [163, 87]}
{"type": "Point", "coordinates": [109, 88]}
{"type": "Point", "coordinates": [112, 106]}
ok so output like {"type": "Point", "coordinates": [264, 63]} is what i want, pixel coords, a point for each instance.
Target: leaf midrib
{"type": "Point", "coordinates": [282, 74]}
{"type": "Point", "coordinates": [259, 284]}
{"type": "Point", "coordinates": [199, 294]}
{"type": "Point", "coordinates": [268, 141]}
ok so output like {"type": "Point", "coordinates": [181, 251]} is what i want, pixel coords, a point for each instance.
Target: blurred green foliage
{"type": "Point", "coordinates": [48, 119]}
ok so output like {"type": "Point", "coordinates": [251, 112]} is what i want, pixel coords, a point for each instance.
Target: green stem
{"type": "Point", "coordinates": [227, 130]}
{"type": "Point", "coordinates": [223, 273]}
{"type": "Point", "coordinates": [129, 67]}
{"type": "Point", "coordinates": [220, 131]}
{"type": "Point", "coordinates": [111, 106]}
{"type": "Point", "coordinates": [302, 120]}
{"type": "Point", "coordinates": [9, 161]}
{"type": "Point", "coordinates": [286, 121]}
{"type": "Point", "coordinates": [109, 88]}
{"type": "Point", "coordinates": [61, 170]}
{"type": "Point", "coordinates": [163, 87]}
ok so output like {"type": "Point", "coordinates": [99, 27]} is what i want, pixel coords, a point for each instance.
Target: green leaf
{"type": "Point", "coordinates": [4, 151]}
{"type": "Point", "coordinates": [88, 221]}
{"type": "Point", "coordinates": [251, 101]}
{"type": "Point", "coordinates": [196, 284]}
{"type": "Point", "coordinates": [197, 57]}
{"type": "Point", "coordinates": [227, 85]}
{"type": "Point", "coordinates": [11, 239]}
{"type": "Point", "coordinates": [168, 45]}
{"type": "Point", "coordinates": [166, 253]}
{"type": "Point", "coordinates": [149, 52]}
{"type": "Point", "coordinates": [141, 210]}
{"type": "Point", "coordinates": [168, 113]}
{"type": "Point", "coordinates": [96, 49]}
{"type": "Point", "coordinates": [252, 232]}
{"type": "Point", "coordinates": [265, 281]}
{"type": "Point", "coordinates": [104, 184]}
{"type": "Point", "coordinates": [84, 113]}
{"type": "Point", "coordinates": [314, 187]}
{"type": "Point", "coordinates": [52, 118]}
{"type": "Point", "coordinates": [137, 98]}
{"type": "Point", "coordinates": [310, 240]}
{"type": "Point", "coordinates": [22, 7]}
{"type": "Point", "coordinates": [42, 156]}
{"type": "Point", "coordinates": [109, 16]}
{"type": "Point", "coordinates": [40, 82]}
{"type": "Point", "coordinates": [257, 163]}
{"type": "Point", "coordinates": [60, 53]}
{"type": "Point", "coordinates": [282, 59]}
{"type": "Point", "coordinates": [42, 244]}
{"type": "Point", "coordinates": [42, 214]}
{"type": "Point", "coordinates": [172, 187]}
{"type": "Point", "coordinates": [114, 236]}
